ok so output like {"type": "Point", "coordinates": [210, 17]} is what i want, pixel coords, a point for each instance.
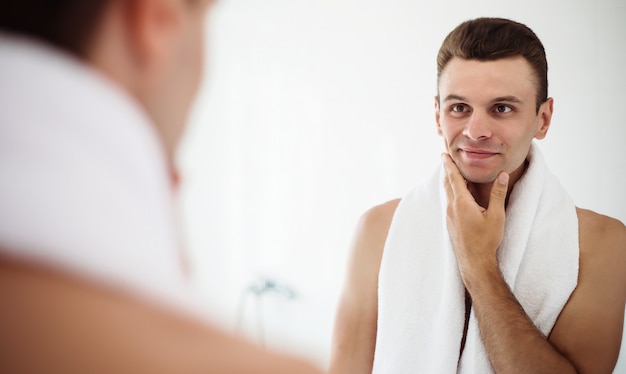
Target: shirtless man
{"type": "Point", "coordinates": [491, 101]}
{"type": "Point", "coordinates": [81, 308]}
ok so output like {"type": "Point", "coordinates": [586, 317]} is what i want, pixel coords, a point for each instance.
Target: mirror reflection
{"type": "Point", "coordinates": [314, 112]}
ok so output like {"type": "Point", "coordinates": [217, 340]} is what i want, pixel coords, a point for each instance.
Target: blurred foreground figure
{"type": "Point", "coordinates": [94, 96]}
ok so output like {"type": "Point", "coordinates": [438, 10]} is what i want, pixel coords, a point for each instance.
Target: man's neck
{"type": "Point", "coordinates": [482, 191]}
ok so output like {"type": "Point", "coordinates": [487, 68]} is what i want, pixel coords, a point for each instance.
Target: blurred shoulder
{"type": "Point", "coordinates": [375, 221]}
{"type": "Point", "coordinates": [371, 234]}
{"type": "Point", "coordinates": [379, 216]}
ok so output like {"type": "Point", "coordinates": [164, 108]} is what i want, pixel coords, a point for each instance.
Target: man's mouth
{"type": "Point", "coordinates": [476, 153]}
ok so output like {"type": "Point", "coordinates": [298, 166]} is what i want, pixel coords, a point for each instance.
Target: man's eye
{"type": "Point", "coordinates": [503, 109]}
{"type": "Point", "coordinates": [459, 108]}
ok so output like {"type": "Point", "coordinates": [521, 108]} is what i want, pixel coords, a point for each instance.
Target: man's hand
{"type": "Point", "coordinates": [512, 341]}
{"type": "Point", "coordinates": [475, 232]}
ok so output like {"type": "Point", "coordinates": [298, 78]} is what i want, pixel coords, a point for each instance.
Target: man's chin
{"type": "Point", "coordinates": [477, 174]}
{"type": "Point", "coordinates": [477, 178]}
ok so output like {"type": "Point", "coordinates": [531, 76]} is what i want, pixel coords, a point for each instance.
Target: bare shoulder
{"type": "Point", "coordinates": [602, 241]}
{"type": "Point", "coordinates": [591, 222]}
{"type": "Point", "coordinates": [104, 330]}
{"type": "Point", "coordinates": [369, 241]}
{"type": "Point", "coordinates": [354, 334]}
{"type": "Point", "coordinates": [376, 220]}
{"type": "Point", "coordinates": [589, 329]}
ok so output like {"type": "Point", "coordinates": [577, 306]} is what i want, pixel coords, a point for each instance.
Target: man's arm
{"type": "Point", "coordinates": [589, 329]}
{"type": "Point", "coordinates": [513, 343]}
{"type": "Point", "coordinates": [354, 336]}
{"type": "Point", "coordinates": [588, 332]}
{"type": "Point", "coordinates": [53, 323]}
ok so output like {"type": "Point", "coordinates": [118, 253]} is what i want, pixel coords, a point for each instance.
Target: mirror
{"type": "Point", "coordinates": [313, 111]}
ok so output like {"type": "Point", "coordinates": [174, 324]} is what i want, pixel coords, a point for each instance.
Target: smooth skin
{"type": "Point", "coordinates": [154, 49]}
{"type": "Point", "coordinates": [487, 116]}
{"type": "Point", "coordinates": [53, 321]}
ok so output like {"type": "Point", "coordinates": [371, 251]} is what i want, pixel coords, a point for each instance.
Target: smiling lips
{"type": "Point", "coordinates": [477, 153]}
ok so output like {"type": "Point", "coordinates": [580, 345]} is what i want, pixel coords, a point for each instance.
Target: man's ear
{"type": "Point", "coordinates": [545, 118]}
{"type": "Point", "coordinates": [437, 116]}
{"type": "Point", "coordinates": [153, 26]}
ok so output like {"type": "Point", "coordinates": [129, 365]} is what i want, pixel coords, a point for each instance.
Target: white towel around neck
{"type": "Point", "coordinates": [421, 297]}
{"type": "Point", "coordinates": [83, 178]}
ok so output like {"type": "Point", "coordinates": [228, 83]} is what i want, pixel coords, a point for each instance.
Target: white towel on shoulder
{"type": "Point", "coordinates": [421, 297]}
{"type": "Point", "coordinates": [84, 182]}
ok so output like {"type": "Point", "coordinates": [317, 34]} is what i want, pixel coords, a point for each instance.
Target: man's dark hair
{"type": "Point", "coordinates": [67, 24]}
{"type": "Point", "coordinates": [488, 39]}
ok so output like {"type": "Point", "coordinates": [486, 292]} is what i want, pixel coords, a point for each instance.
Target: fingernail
{"type": "Point", "coordinates": [503, 178]}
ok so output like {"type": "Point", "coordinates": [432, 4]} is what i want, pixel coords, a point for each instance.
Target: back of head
{"type": "Point", "coordinates": [488, 39]}
{"type": "Point", "coordinates": [66, 24]}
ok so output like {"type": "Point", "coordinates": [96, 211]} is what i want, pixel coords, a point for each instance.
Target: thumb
{"type": "Point", "coordinates": [498, 193]}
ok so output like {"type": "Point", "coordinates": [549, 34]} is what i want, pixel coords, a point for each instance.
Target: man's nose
{"type": "Point", "coordinates": [478, 126]}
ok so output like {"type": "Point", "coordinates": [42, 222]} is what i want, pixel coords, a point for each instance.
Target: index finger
{"type": "Point", "coordinates": [453, 175]}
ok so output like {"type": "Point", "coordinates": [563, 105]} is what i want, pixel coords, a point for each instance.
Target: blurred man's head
{"type": "Point", "coordinates": [151, 48]}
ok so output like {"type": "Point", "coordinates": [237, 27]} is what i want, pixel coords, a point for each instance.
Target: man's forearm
{"type": "Point", "coordinates": [512, 341]}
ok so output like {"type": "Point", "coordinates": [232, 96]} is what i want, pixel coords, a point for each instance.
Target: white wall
{"type": "Point", "coordinates": [315, 110]}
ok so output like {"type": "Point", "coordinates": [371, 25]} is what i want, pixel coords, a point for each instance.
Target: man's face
{"type": "Point", "coordinates": [486, 114]}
